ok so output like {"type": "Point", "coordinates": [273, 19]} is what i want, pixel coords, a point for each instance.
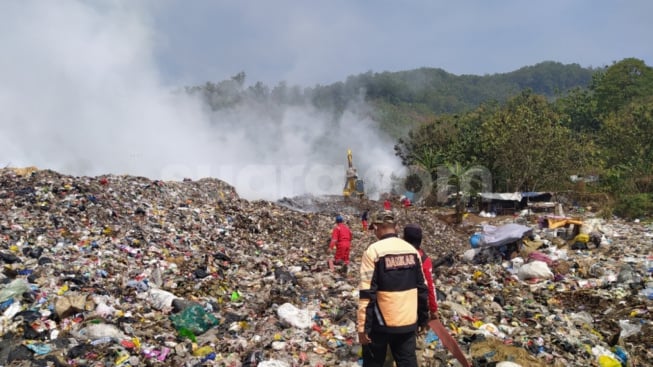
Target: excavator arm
{"type": "Point", "coordinates": [353, 185]}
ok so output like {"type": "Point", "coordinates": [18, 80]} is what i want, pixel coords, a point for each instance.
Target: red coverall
{"type": "Point", "coordinates": [341, 239]}
{"type": "Point", "coordinates": [427, 269]}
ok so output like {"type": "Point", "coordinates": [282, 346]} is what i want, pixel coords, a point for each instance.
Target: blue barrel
{"type": "Point", "coordinates": [475, 240]}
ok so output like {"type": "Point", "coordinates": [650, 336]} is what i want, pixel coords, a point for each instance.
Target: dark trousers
{"type": "Point", "coordinates": [402, 347]}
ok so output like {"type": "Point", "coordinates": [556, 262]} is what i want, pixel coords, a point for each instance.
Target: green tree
{"type": "Point", "coordinates": [528, 147]}
{"type": "Point", "coordinates": [623, 82]}
{"type": "Point", "coordinates": [464, 181]}
{"type": "Point", "coordinates": [628, 147]}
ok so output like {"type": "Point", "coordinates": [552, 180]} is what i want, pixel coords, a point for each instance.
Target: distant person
{"type": "Point", "coordinates": [387, 205]}
{"type": "Point", "coordinates": [393, 303]}
{"type": "Point", "coordinates": [413, 235]}
{"type": "Point", "coordinates": [364, 218]}
{"type": "Point", "coordinates": [341, 241]}
{"type": "Point", "coordinates": [406, 203]}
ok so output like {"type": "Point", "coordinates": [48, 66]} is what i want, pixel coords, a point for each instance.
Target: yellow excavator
{"type": "Point", "coordinates": [353, 185]}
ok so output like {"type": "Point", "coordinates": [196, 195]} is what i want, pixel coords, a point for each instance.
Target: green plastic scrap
{"type": "Point", "coordinates": [195, 319]}
{"type": "Point", "coordinates": [235, 296]}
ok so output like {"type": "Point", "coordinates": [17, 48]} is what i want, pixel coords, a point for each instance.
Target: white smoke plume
{"type": "Point", "coordinates": [80, 93]}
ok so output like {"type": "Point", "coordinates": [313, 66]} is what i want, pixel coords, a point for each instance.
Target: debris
{"type": "Point", "coordinates": [118, 270]}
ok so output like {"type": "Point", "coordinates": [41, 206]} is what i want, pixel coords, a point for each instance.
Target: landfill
{"type": "Point", "coordinates": [127, 271]}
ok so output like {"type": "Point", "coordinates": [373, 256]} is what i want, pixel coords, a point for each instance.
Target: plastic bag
{"type": "Point", "coordinates": [508, 364]}
{"type": "Point", "coordinates": [535, 269]}
{"type": "Point", "coordinates": [16, 288]}
{"type": "Point", "coordinates": [294, 316]}
{"type": "Point", "coordinates": [195, 319]}
{"type": "Point", "coordinates": [159, 299]}
{"type": "Point", "coordinates": [628, 329]}
{"type": "Point", "coordinates": [273, 363]}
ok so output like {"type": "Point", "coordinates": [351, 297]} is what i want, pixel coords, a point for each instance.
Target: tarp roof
{"type": "Point", "coordinates": [511, 196]}
{"type": "Point", "coordinates": [497, 236]}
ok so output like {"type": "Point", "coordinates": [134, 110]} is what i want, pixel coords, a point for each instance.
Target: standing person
{"type": "Point", "coordinates": [406, 203]}
{"type": "Point", "coordinates": [393, 303]}
{"type": "Point", "coordinates": [387, 205]}
{"type": "Point", "coordinates": [413, 235]}
{"type": "Point", "coordinates": [364, 217]}
{"type": "Point", "coordinates": [341, 241]}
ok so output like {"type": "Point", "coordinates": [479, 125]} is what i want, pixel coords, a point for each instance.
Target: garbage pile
{"type": "Point", "coordinates": [128, 271]}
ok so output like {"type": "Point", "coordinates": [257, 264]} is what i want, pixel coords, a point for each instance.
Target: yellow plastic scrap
{"type": "Point", "coordinates": [137, 342]}
{"type": "Point", "coordinates": [599, 335]}
{"type": "Point", "coordinates": [202, 351]}
{"type": "Point", "coordinates": [121, 358]}
{"type": "Point", "coordinates": [477, 274]}
{"type": "Point", "coordinates": [477, 324]}
{"type": "Point", "coordinates": [607, 361]}
{"type": "Point", "coordinates": [63, 289]}
{"type": "Point", "coordinates": [583, 237]}
{"type": "Point", "coordinates": [454, 329]}
{"type": "Point", "coordinates": [243, 325]}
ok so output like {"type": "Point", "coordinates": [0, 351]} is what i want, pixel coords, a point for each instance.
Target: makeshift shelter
{"type": "Point", "coordinates": [510, 202]}
{"type": "Point", "coordinates": [500, 203]}
{"type": "Point", "coordinates": [537, 201]}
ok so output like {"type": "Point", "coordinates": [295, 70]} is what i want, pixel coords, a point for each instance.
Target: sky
{"type": "Point", "coordinates": [87, 87]}
{"type": "Point", "coordinates": [322, 42]}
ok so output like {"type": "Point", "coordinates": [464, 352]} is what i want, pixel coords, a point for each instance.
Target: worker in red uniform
{"type": "Point", "coordinates": [364, 218]}
{"type": "Point", "coordinates": [413, 235]}
{"type": "Point", "coordinates": [341, 241]}
{"type": "Point", "coordinates": [387, 205]}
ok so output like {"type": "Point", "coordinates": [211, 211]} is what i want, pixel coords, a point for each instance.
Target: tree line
{"type": "Point", "coordinates": [532, 129]}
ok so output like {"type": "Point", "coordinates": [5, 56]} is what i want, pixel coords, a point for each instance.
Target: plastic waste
{"type": "Point", "coordinates": [39, 348]}
{"type": "Point", "coordinates": [17, 287]}
{"type": "Point", "coordinates": [647, 292]}
{"type": "Point", "coordinates": [535, 269]}
{"type": "Point", "coordinates": [294, 316]}
{"type": "Point", "coordinates": [508, 364]}
{"type": "Point", "coordinates": [273, 363]}
{"type": "Point", "coordinates": [628, 329]}
{"type": "Point", "coordinates": [99, 331]}
{"type": "Point", "coordinates": [475, 240]}
{"type": "Point", "coordinates": [607, 361]}
{"type": "Point", "coordinates": [621, 355]}
{"type": "Point", "coordinates": [195, 319]}
{"type": "Point", "coordinates": [203, 351]}
{"type": "Point", "coordinates": [159, 299]}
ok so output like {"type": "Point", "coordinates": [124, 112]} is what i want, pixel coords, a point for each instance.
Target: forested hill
{"type": "Point", "coordinates": [443, 92]}
{"type": "Point", "coordinates": [403, 99]}
{"type": "Point", "coordinates": [406, 99]}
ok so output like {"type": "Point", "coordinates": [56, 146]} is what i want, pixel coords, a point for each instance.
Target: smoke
{"type": "Point", "coordinates": [81, 94]}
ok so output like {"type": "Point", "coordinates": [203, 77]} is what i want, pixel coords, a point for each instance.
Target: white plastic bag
{"type": "Point", "coordinates": [159, 299]}
{"type": "Point", "coordinates": [294, 316]}
{"type": "Point", "coordinates": [508, 364]}
{"type": "Point", "coordinates": [535, 269]}
{"type": "Point", "coordinates": [273, 363]}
